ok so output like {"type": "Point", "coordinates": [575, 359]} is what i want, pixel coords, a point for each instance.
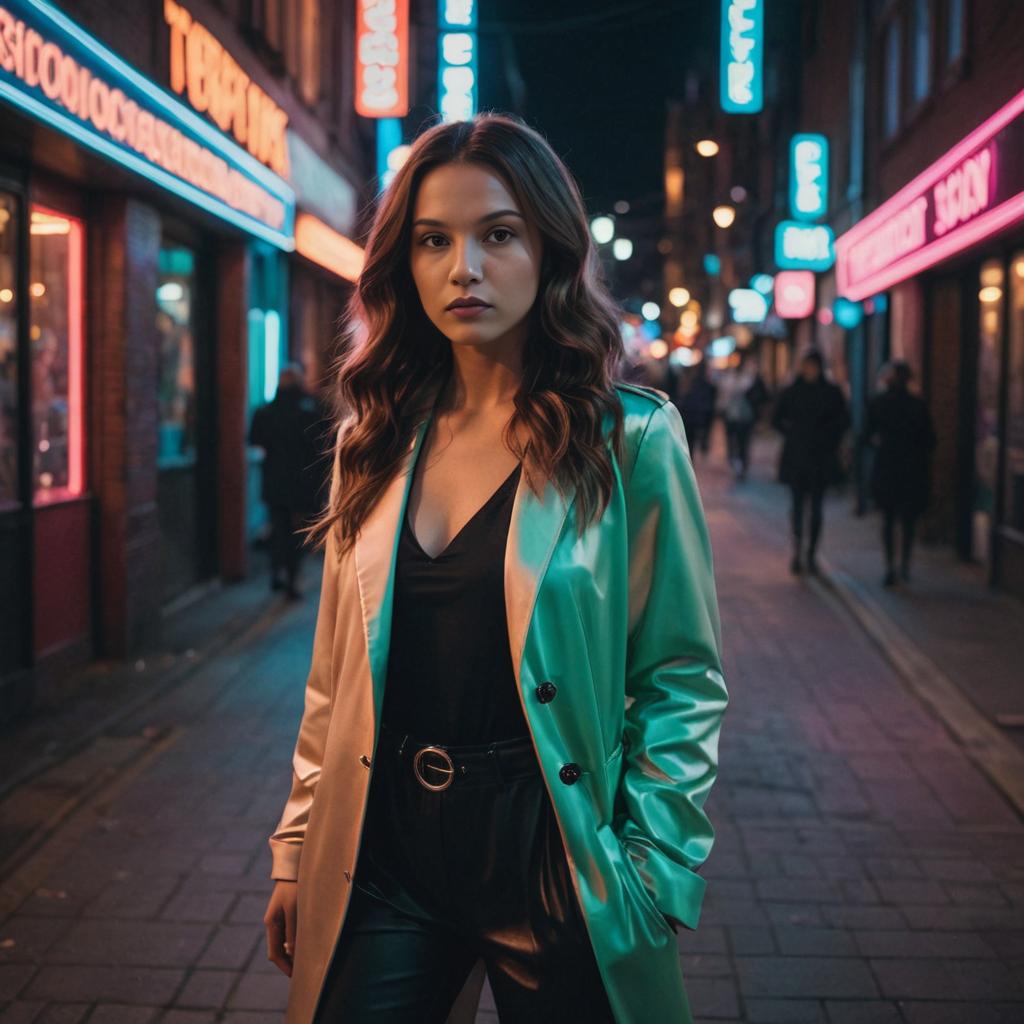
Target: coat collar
{"type": "Point", "coordinates": [534, 528]}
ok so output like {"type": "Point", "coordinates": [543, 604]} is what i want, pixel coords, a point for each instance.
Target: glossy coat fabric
{"type": "Point", "coordinates": [623, 621]}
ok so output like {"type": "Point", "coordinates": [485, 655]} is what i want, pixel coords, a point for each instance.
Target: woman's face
{"type": "Point", "coordinates": [470, 239]}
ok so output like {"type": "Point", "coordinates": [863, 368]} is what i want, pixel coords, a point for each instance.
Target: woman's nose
{"type": "Point", "coordinates": [466, 263]}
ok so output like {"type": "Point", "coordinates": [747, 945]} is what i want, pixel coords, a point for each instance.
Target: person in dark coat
{"type": "Point", "coordinates": [899, 427]}
{"type": "Point", "coordinates": [290, 430]}
{"type": "Point", "coordinates": [812, 416]}
{"type": "Point", "coordinates": [694, 397]}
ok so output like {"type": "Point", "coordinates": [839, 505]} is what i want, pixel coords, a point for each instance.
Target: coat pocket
{"type": "Point", "coordinates": [633, 881]}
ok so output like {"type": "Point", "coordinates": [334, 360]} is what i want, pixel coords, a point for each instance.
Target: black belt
{"type": "Point", "coordinates": [437, 766]}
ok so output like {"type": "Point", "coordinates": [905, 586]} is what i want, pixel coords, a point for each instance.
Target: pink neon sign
{"type": "Point", "coordinates": [794, 294]}
{"type": "Point", "coordinates": [976, 190]}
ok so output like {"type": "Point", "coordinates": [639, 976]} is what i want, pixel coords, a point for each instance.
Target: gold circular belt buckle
{"type": "Point", "coordinates": [449, 770]}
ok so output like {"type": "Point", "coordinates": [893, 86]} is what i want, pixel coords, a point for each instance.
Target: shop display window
{"type": "Point", "coordinates": [56, 338]}
{"type": "Point", "coordinates": [175, 300]}
{"type": "Point", "coordinates": [1014, 450]}
{"type": "Point", "coordinates": [986, 423]}
{"type": "Point", "coordinates": [8, 352]}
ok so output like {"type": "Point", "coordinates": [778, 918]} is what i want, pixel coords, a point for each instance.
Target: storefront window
{"type": "Point", "coordinates": [56, 339]}
{"type": "Point", "coordinates": [921, 46]}
{"type": "Point", "coordinates": [893, 69]}
{"type": "Point", "coordinates": [175, 298]}
{"type": "Point", "coordinates": [8, 352]}
{"type": "Point", "coordinates": [1014, 506]}
{"type": "Point", "coordinates": [954, 31]}
{"type": "Point", "coordinates": [986, 423]}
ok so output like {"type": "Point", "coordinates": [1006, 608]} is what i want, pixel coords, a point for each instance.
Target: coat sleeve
{"type": "Point", "coordinates": [307, 759]}
{"type": "Point", "coordinates": [675, 690]}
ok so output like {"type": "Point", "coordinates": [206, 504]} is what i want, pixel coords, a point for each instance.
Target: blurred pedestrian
{"type": "Point", "coordinates": [899, 427]}
{"type": "Point", "coordinates": [812, 416]}
{"type": "Point", "coordinates": [741, 394]}
{"type": "Point", "coordinates": [290, 430]}
{"type": "Point", "coordinates": [431, 821]}
{"type": "Point", "coordinates": [695, 399]}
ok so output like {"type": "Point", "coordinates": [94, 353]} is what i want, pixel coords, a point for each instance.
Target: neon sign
{"type": "Point", "coordinates": [456, 59]}
{"type": "Point", "coordinates": [808, 176]}
{"type": "Point", "coordinates": [382, 58]}
{"type": "Point", "coordinates": [801, 246]}
{"type": "Point", "coordinates": [742, 56]}
{"type": "Point", "coordinates": [57, 73]}
{"type": "Point", "coordinates": [747, 306]}
{"type": "Point", "coordinates": [794, 294]}
{"type": "Point", "coordinates": [214, 83]}
{"type": "Point", "coordinates": [975, 191]}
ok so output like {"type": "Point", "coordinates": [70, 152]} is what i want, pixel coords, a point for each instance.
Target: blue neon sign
{"type": "Point", "coordinates": [456, 59]}
{"type": "Point", "coordinates": [742, 56]}
{"type": "Point", "coordinates": [54, 71]}
{"type": "Point", "coordinates": [808, 176]}
{"type": "Point", "coordinates": [800, 246]}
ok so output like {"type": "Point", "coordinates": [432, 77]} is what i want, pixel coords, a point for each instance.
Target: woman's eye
{"type": "Point", "coordinates": [502, 231]}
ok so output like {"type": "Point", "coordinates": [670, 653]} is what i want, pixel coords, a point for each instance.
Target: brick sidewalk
{"type": "Point", "coordinates": [865, 869]}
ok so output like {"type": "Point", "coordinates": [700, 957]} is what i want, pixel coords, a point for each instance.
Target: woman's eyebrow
{"type": "Point", "coordinates": [486, 216]}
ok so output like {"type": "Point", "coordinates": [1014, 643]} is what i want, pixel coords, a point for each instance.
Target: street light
{"type": "Point", "coordinates": [723, 215]}
{"type": "Point", "coordinates": [650, 310]}
{"type": "Point", "coordinates": [707, 147]}
{"type": "Point", "coordinates": [622, 248]}
{"type": "Point", "coordinates": [603, 229]}
{"type": "Point", "coordinates": [678, 296]}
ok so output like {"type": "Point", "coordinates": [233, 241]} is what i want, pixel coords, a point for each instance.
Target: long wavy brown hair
{"type": "Point", "coordinates": [394, 361]}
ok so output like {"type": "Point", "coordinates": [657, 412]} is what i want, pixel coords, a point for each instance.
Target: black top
{"type": "Point", "coordinates": [450, 678]}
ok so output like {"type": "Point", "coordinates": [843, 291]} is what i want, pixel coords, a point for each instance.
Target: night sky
{"type": "Point", "coordinates": [594, 78]}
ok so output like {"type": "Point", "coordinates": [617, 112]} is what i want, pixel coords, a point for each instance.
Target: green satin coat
{"type": "Point", "coordinates": [624, 621]}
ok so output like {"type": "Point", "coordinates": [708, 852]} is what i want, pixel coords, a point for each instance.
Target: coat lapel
{"type": "Point", "coordinates": [533, 531]}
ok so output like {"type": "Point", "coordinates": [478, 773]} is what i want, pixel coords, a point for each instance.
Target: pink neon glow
{"type": "Point", "coordinates": [794, 294]}
{"type": "Point", "coordinates": [1003, 216]}
{"type": "Point", "coordinates": [987, 223]}
{"type": "Point", "coordinates": [76, 354]}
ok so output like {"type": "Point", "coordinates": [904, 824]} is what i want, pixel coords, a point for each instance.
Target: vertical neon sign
{"type": "Point", "coordinates": [456, 59]}
{"type": "Point", "coordinates": [382, 58]}
{"type": "Point", "coordinates": [742, 56]}
{"type": "Point", "coordinates": [808, 176]}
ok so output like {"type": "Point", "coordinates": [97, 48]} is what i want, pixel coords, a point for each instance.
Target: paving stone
{"type": "Point", "coordinates": [149, 986]}
{"type": "Point", "coordinates": [111, 1013]}
{"type": "Point", "coordinates": [945, 979]}
{"type": "Point", "coordinates": [188, 1017]}
{"type": "Point", "coordinates": [231, 946]}
{"type": "Point", "coordinates": [25, 939]}
{"type": "Point", "coordinates": [13, 978]}
{"type": "Point", "coordinates": [260, 992]}
{"type": "Point", "coordinates": [785, 1011]}
{"type": "Point", "coordinates": [713, 998]}
{"type": "Point", "coordinates": [63, 1013]}
{"type": "Point", "coordinates": [922, 944]}
{"type": "Point", "coordinates": [207, 989]}
{"type": "Point", "coordinates": [960, 1013]}
{"type": "Point", "coordinates": [142, 943]}
{"type": "Point", "coordinates": [814, 941]}
{"type": "Point", "coordinates": [21, 1011]}
{"type": "Point", "coordinates": [752, 940]}
{"type": "Point", "coordinates": [805, 977]}
{"type": "Point", "coordinates": [862, 1012]}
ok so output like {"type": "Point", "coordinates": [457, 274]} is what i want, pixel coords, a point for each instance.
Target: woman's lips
{"type": "Point", "coordinates": [468, 312]}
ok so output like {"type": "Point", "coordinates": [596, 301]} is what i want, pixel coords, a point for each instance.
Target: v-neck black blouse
{"type": "Point", "coordinates": [450, 678]}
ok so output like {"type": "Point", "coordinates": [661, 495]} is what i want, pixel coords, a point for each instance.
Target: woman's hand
{"type": "Point", "coordinates": [280, 924]}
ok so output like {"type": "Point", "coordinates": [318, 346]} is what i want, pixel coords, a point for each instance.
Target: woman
{"type": "Point", "coordinates": [811, 414]}
{"type": "Point", "coordinates": [900, 426]}
{"type": "Point", "coordinates": [512, 715]}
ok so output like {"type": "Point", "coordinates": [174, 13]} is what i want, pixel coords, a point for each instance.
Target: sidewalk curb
{"type": "Point", "coordinates": [984, 743]}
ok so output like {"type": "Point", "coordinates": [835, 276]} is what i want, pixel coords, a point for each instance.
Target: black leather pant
{"type": "Point", "coordinates": [443, 878]}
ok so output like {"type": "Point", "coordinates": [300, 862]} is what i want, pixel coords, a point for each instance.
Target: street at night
{"type": "Point", "coordinates": [866, 868]}
{"type": "Point", "coordinates": [511, 513]}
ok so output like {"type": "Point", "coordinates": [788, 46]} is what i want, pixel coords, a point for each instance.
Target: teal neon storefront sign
{"type": "Point", "coordinates": [54, 71]}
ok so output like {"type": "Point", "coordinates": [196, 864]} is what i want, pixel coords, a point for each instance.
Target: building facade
{"type": "Point", "coordinates": [180, 187]}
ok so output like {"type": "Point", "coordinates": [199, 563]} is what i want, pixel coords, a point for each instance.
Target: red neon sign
{"type": "Point", "coordinates": [382, 58]}
{"type": "Point", "coordinates": [973, 192]}
{"type": "Point", "coordinates": [794, 294]}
